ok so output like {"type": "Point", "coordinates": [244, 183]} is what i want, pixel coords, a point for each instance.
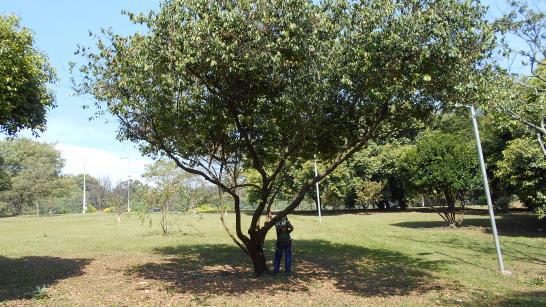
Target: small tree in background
{"type": "Point", "coordinates": [171, 190]}
{"type": "Point", "coordinates": [444, 166]}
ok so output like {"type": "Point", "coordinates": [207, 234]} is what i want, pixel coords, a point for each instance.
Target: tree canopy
{"type": "Point", "coordinates": [222, 86]}
{"type": "Point", "coordinates": [25, 74]}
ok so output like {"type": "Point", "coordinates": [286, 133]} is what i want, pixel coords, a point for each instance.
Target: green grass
{"type": "Point", "coordinates": [381, 258]}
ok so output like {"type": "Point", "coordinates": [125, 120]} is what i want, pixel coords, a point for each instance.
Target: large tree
{"type": "Point", "coordinates": [25, 74]}
{"type": "Point", "coordinates": [219, 86]}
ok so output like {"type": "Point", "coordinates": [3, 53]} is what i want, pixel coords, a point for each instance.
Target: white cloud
{"type": "Point", "coordinates": [100, 163]}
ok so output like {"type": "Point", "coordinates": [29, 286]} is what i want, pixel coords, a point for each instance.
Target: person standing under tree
{"type": "Point", "coordinates": [283, 246]}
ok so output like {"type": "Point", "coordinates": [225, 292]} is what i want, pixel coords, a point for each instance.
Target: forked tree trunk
{"type": "Point", "coordinates": [252, 245]}
{"type": "Point", "coordinates": [255, 247]}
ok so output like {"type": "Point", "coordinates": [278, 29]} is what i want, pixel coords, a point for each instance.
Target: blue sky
{"type": "Point", "coordinates": [59, 26]}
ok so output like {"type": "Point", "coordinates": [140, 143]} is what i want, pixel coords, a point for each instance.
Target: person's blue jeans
{"type": "Point", "coordinates": [286, 249]}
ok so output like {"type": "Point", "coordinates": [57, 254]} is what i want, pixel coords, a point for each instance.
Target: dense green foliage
{"type": "Point", "coordinates": [5, 182]}
{"type": "Point", "coordinates": [24, 78]}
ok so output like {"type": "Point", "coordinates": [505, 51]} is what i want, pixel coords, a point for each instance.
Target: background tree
{"type": "Point", "coordinates": [5, 181]}
{"type": "Point", "coordinates": [221, 86]}
{"type": "Point", "coordinates": [522, 100]}
{"type": "Point", "coordinates": [171, 190]}
{"type": "Point", "coordinates": [524, 172]}
{"type": "Point", "coordinates": [495, 138]}
{"type": "Point", "coordinates": [34, 169]}
{"type": "Point", "coordinates": [378, 167]}
{"type": "Point", "coordinates": [25, 74]}
{"type": "Point", "coordinates": [98, 191]}
{"type": "Point", "coordinates": [369, 177]}
{"type": "Point", "coordinates": [444, 166]}
{"type": "Point", "coordinates": [66, 197]}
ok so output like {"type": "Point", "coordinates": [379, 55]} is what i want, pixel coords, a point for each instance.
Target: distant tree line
{"type": "Point", "coordinates": [31, 182]}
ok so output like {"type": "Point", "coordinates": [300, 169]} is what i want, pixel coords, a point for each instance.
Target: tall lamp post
{"type": "Point", "coordinates": [128, 184]}
{"type": "Point", "coordinates": [84, 199]}
{"type": "Point", "coordinates": [487, 192]}
{"type": "Point", "coordinates": [318, 194]}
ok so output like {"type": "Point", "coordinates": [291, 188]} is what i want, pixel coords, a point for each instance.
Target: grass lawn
{"type": "Point", "coordinates": [357, 259]}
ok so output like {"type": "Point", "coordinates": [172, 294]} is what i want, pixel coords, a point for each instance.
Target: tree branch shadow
{"type": "Point", "coordinates": [219, 269]}
{"type": "Point", "coordinates": [19, 277]}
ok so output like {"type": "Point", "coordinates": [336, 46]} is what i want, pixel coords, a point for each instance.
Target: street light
{"type": "Point", "coordinates": [486, 188]}
{"type": "Point", "coordinates": [128, 184]}
{"type": "Point", "coordinates": [318, 194]}
{"type": "Point", "coordinates": [84, 199]}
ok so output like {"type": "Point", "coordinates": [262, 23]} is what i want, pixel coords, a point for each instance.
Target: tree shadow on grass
{"type": "Point", "coordinates": [20, 277]}
{"type": "Point", "coordinates": [222, 269]}
{"type": "Point", "coordinates": [511, 225]}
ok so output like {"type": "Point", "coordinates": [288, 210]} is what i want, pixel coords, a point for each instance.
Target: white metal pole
{"type": "Point", "coordinates": [487, 193]}
{"type": "Point", "coordinates": [318, 194]}
{"type": "Point", "coordinates": [128, 186]}
{"type": "Point", "coordinates": [84, 200]}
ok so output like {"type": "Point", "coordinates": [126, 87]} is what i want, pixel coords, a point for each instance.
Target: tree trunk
{"type": "Point", "coordinates": [255, 247]}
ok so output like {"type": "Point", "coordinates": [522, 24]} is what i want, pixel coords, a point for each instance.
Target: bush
{"type": "Point", "coordinates": [108, 210]}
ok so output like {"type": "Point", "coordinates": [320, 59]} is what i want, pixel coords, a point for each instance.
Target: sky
{"type": "Point", "coordinates": [59, 26]}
